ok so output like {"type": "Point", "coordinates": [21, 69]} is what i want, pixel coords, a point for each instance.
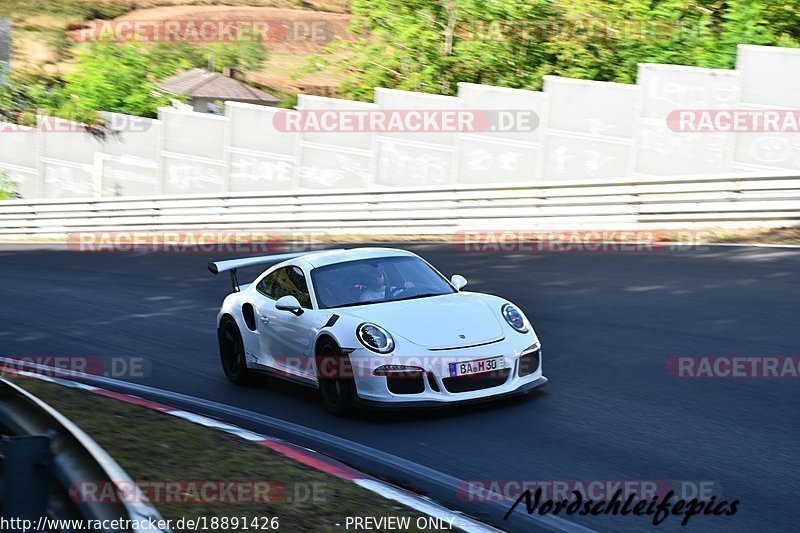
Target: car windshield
{"type": "Point", "coordinates": [381, 279]}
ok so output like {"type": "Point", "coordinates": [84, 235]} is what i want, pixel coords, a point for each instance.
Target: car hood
{"type": "Point", "coordinates": [447, 321]}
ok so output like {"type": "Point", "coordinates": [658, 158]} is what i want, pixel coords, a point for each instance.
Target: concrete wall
{"type": "Point", "coordinates": [585, 130]}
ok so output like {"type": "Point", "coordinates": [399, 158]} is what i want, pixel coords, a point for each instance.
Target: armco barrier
{"type": "Point", "coordinates": [70, 457]}
{"type": "Point", "coordinates": [678, 202]}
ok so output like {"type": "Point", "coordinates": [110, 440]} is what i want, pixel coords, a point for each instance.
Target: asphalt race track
{"type": "Point", "coordinates": [608, 322]}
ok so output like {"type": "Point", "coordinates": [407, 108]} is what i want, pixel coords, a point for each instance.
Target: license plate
{"type": "Point", "coordinates": [479, 366]}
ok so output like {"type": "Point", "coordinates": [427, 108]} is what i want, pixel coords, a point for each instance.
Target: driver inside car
{"type": "Point", "coordinates": [375, 283]}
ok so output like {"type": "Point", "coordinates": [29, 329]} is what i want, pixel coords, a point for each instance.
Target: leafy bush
{"type": "Point", "coordinates": [116, 77]}
{"type": "Point", "coordinates": [8, 188]}
{"type": "Point", "coordinates": [247, 52]}
{"type": "Point", "coordinates": [431, 45]}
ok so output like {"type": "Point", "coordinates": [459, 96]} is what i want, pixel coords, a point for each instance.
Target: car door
{"type": "Point", "coordinates": [286, 338]}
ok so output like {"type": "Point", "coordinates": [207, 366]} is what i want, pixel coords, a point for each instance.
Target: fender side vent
{"type": "Point", "coordinates": [331, 321]}
{"type": "Point", "coordinates": [249, 315]}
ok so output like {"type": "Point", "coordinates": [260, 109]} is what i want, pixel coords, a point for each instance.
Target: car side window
{"type": "Point", "coordinates": [267, 282]}
{"type": "Point", "coordinates": [287, 281]}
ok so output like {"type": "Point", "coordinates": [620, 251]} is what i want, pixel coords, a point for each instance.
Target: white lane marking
{"type": "Point", "coordinates": [216, 424]}
{"type": "Point", "coordinates": [49, 379]}
{"type": "Point", "coordinates": [461, 522]}
{"type": "Point", "coordinates": [429, 508]}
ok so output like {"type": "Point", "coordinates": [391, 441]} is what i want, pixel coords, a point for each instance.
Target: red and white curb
{"type": "Point", "coordinates": [300, 454]}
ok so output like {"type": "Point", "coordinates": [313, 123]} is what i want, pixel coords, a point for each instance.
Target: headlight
{"type": "Point", "coordinates": [375, 338]}
{"type": "Point", "coordinates": [514, 318]}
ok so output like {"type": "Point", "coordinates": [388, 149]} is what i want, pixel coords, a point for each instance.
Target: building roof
{"type": "Point", "coordinates": [201, 83]}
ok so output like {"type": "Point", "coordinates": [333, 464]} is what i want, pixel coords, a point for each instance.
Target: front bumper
{"type": "Point", "coordinates": [522, 389]}
{"type": "Point", "coordinates": [431, 382]}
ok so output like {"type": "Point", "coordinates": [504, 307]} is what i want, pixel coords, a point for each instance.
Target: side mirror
{"type": "Point", "coordinates": [459, 282]}
{"type": "Point", "coordinates": [289, 303]}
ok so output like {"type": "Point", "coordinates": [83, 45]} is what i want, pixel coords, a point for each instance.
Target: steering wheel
{"type": "Point", "coordinates": [394, 291]}
{"type": "Point", "coordinates": [387, 292]}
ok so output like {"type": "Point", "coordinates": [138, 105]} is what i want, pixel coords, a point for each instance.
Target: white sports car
{"type": "Point", "coordinates": [374, 327]}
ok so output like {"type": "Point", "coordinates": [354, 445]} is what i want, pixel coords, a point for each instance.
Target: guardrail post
{"type": "Point", "coordinates": [26, 478]}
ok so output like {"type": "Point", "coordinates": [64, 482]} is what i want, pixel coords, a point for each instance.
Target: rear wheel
{"type": "Point", "coordinates": [337, 387]}
{"type": "Point", "coordinates": [231, 352]}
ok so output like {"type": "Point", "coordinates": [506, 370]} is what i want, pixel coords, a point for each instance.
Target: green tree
{"type": "Point", "coordinates": [165, 59]}
{"type": "Point", "coordinates": [703, 34]}
{"type": "Point", "coordinates": [118, 77]}
{"type": "Point", "coordinates": [607, 40]}
{"type": "Point", "coordinates": [430, 46]}
{"type": "Point", "coordinates": [26, 91]}
{"type": "Point", "coordinates": [754, 22]}
{"type": "Point", "coordinates": [112, 77]}
{"type": "Point", "coordinates": [246, 52]}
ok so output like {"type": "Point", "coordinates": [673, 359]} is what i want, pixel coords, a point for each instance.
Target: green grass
{"type": "Point", "coordinates": [157, 447]}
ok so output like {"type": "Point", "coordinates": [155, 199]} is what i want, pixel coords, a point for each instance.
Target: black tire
{"type": "Point", "coordinates": [337, 389]}
{"type": "Point", "coordinates": [231, 353]}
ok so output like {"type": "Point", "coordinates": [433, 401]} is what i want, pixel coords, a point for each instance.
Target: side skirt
{"type": "Point", "coordinates": [271, 372]}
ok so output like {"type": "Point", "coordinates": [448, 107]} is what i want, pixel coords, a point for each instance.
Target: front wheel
{"type": "Point", "coordinates": [337, 387]}
{"type": "Point", "coordinates": [231, 353]}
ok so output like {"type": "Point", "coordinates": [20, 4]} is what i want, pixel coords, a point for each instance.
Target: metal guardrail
{"type": "Point", "coordinates": [43, 449]}
{"type": "Point", "coordinates": [732, 200]}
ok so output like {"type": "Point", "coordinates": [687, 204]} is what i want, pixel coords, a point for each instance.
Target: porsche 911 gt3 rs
{"type": "Point", "coordinates": [374, 327]}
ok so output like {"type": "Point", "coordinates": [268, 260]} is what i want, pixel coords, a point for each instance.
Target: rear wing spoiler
{"type": "Point", "coordinates": [231, 265]}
